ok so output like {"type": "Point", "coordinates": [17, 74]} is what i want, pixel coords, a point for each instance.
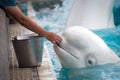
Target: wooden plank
{"type": "Point", "coordinates": [17, 73]}
{"type": "Point", "coordinates": [44, 72]}
{"type": "Point", "coordinates": [4, 69]}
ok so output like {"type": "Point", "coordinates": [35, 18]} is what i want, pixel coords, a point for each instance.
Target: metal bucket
{"type": "Point", "coordinates": [29, 50]}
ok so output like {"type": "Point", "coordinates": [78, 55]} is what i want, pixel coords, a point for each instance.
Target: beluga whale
{"type": "Point", "coordinates": [92, 14]}
{"type": "Point", "coordinates": [80, 48]}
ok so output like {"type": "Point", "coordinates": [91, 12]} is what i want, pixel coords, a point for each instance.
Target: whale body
{"type": "Point", "coordinates": [80, 48]}
{"type": "Point", "coordinates": [92, 14]}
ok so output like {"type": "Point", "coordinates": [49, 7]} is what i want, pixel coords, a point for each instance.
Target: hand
{"type": "Point", "coordinates": [53, 37]}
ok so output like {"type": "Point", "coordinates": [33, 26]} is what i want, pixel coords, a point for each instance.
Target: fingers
{"type": "Point", "coordinates": [53, 37]}
{"type": "Point", "coordinates": [57, 40]}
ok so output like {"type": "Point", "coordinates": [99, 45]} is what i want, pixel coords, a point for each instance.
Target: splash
{"type": "Point", "coordinates": [54, 20]}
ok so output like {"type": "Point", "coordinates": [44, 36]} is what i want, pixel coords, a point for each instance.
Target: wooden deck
{"type": "Point", "coordinates": [44, 72]}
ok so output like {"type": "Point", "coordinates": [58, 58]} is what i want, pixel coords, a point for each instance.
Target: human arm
{"type": "Point", "coordinates": [15, 12]}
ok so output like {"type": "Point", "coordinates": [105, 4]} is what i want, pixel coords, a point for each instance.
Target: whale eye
{"type": "Point", "coordinates": [91, 60]}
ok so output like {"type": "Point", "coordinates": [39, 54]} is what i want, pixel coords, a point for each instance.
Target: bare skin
{"type": "Point", "coordinates": [15, 12]}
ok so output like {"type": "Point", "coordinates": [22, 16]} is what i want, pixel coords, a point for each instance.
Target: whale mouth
{"type": "Point", "coordinates": [66, 51]}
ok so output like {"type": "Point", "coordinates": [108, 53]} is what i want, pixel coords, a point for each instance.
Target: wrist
{"type": "Point", "coordinates": [45, 33]}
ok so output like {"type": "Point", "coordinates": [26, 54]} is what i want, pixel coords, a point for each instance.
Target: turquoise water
{"type": "Point", "coordinates": [116, 11]}
{"type": "Point", "coordinates": [54, 20]}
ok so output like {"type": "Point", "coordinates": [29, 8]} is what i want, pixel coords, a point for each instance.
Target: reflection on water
{"type": "Point", "coordinates": [101, 72]}
{"type": "Point", "coordinates": [54, 20]}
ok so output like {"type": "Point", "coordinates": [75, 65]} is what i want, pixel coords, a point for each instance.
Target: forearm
{"type": "Point", "coordinates": [24, 20]}
{"type": "Point", "coordinates": [15, 12]}
{"type": "Point", "coordinates": [31, 25]}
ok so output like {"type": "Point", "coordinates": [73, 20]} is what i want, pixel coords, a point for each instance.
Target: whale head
{"type": "Point", "coordinates": [80, 48]}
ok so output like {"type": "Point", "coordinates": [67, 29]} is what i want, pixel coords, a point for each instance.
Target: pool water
{"type": "Point", "coordinates": [54, 20]}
